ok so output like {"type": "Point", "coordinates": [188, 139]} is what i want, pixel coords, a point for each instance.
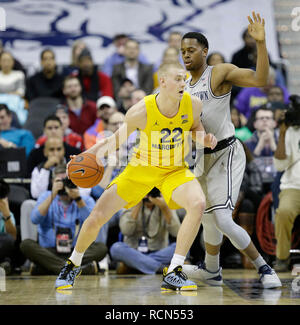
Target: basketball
{"type": "Point", "coordinates": [84, 171]}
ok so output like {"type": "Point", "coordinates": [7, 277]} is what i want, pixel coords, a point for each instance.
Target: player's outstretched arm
{"type": "Point", "coordinates": [198, 133]}
{"type": "Point", "coordinates": [247, 77]}
{"type": "Point", "coordinates": [135, 118]}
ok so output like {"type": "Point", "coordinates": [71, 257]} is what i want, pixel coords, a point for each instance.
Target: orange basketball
{"type": "Point", "coordinates": [84, 171]}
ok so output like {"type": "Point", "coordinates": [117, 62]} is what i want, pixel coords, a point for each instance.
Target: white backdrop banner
{"type": "Point", "coordinates": [32, 25]}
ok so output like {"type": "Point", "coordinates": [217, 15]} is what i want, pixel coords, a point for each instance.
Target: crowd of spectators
{"type": "Point", "coordinates": [92, 101]}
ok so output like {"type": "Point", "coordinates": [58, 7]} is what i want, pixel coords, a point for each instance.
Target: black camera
{"type": "Point", "coordinates": [155, 192]}
{"type": "Point", "coordinates": [67, 183]}
{"type": "Point", "coordinates": [292, 115]}
{"type": "Point", "coordinates": [4, 189]}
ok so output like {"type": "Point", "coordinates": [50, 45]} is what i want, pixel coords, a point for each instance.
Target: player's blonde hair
{"type": "Point", "coordinates": [166, 67]}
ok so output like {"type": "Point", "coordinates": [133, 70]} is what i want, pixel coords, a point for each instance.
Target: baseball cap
{"type": "Point", "coordinates": [105, 100]}
{"type": "Point", "coordinates": [84, 53]}
{"type": "Point", "coordinates": [61, 107]}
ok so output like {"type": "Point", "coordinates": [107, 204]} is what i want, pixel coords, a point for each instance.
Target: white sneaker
{"type": "Point", "coordinates": [199, 272]}
{"type": "Point", "coordinates": [104, 263]}
{"type": "Point", "coordinates": [268, 277]}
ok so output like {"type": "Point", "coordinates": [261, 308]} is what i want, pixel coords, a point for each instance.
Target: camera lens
{"type": "Point", "coordinates": [155, 192]}
{"type": "Point", "coordinates": [68, 183]}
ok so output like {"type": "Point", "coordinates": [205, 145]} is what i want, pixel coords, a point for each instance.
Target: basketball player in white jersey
{"type": "Point", "coordinates": [224, 166]}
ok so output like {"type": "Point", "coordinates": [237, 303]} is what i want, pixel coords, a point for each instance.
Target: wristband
{"type": "Point", "coordinates": [6, 218]}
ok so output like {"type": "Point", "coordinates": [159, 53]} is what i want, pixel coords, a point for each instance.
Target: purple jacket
{"type": "Point", "coordinates": [249, 99]}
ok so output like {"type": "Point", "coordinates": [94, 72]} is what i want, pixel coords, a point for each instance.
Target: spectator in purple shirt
{"type": "Point", "coordinates": [249, 99]}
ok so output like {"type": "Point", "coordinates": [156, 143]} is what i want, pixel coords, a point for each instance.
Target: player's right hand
{"type": "Point", "coordinates": [256, 27]}
{"type": "Point", "coordinates": [71, 157]}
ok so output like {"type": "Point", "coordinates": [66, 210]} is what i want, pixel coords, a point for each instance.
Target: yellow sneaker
{"type": "Point", "coordinates": [177, 280]}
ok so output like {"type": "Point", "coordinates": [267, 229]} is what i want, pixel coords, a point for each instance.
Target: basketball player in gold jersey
{"type": "Point", "coordinates": [163, 120]}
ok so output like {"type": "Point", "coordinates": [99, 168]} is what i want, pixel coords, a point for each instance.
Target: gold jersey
{"type": "Point", "coordinates": [165, 142]}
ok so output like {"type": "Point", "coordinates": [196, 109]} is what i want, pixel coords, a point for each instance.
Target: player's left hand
{"type": "Point", "coordinates": [71, 157]}
{"type": "Point", "coordinates": [256, 28]}
{"type": "Point", "coordinates": [210, 141]}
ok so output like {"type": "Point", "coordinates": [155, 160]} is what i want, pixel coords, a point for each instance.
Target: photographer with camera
{"type": "Point", "coordinates": [41, 175]}
{"type": "Point", "coordinates": [146, 228]}
{"type": "Point", "coordinates": [41, 181]}
{"type": "Point", "coordinates": [8, 231]}
{"type": "Point", "coordinates": [287, 159]}
{"type": "Point", "coordinates": [59, 215]}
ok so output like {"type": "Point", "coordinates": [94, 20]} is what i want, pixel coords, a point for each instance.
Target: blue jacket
{"type": "Point", "coordinates": [59, 216]}
{"type": "Point", "coordinates": [20, 137]}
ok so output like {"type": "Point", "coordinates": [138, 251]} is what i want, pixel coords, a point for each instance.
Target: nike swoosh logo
{"type": "Point", "coordinates": [82, 171]}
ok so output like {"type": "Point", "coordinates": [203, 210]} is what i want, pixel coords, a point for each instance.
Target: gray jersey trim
{"type": "Point", "coordinates": [228, 203]}
{"type": "Point", "coordinates": [194, 85]}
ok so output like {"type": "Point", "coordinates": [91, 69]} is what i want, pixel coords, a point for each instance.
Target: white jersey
{"type": "Point", "coordinates": [215, 117]}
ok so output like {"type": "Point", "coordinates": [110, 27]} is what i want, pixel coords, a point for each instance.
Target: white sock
{"type": "Point", "coordinates": [212, 262]}
{"type": "Point", "coordinates": [76, 257]}
{"type": "Point", "coordinates": [259, 262]}
{"type": "Point", "coordinates": [176, 261]}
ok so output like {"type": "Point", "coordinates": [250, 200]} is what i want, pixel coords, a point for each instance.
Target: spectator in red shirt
{"type": "Point", "coordinates": [82, 112]}
{"type": "Point", "coordinates": [94, 83]}
{"type": "Point", "coordinates": [72, 138]}
{"type": "Point", "coordinates": [52, 128]}
{"type": "Point", "coordinates": [54, 125]}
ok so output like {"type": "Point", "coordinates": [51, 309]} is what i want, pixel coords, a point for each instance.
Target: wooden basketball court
{"type": "Point", "coordinates": [241, 287]}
